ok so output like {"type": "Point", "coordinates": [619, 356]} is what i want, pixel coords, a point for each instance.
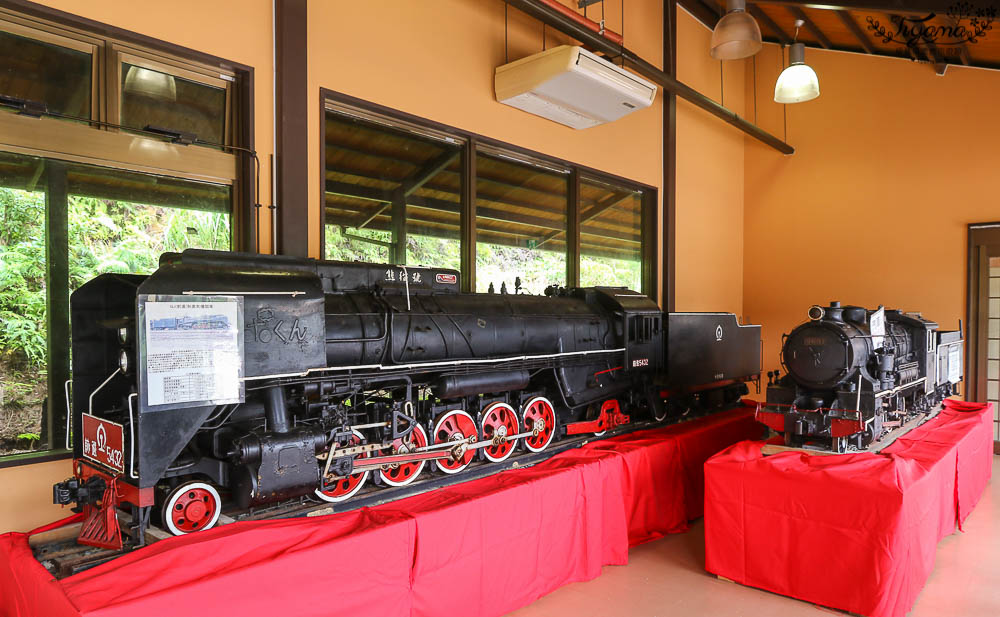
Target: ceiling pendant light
{"type": "Point", "coordinates": [798, 82]}
{"type": "Point", "coordinates": [737, 34]}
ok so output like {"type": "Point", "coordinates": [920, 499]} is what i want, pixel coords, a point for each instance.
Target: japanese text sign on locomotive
{"type": "Point", "coordinates": [104, 442]}
{"type": "Point", "coordinates": [192, 349]}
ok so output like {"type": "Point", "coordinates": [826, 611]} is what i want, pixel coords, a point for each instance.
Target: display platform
{"type": "Point", "coordinates": [856, 532]}
{"type": "Point", "coordinates": [482, 548]}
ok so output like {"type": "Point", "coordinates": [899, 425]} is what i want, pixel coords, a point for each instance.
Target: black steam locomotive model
{"type": "Point", "coordinates": [852, 375]}
{"type": "Point", "coordinates": [311, 379]}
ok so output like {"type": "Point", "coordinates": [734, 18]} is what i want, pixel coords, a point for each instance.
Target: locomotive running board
{"type": "Point", "coordinates": [875, 448]}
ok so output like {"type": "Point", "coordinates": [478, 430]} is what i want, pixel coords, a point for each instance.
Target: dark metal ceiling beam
{"type": "Point", "coordinates": [856, 30]}
{"type": "Point", "coordinates": [798, 13]}
{"type": "Point", "coordinates": [763, 18]}
{"type": "Point", "coordinates": [705, 12]}
{"type": "Point", "coordinates": [569, 27]}
{"type": "Point", "coordinates": [908, 7]}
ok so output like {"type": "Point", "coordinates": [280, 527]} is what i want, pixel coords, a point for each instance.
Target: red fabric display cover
{"type": "Point", "coordinates": [857, 532]}
{"type": "Point", "coordinates": [477, 549]}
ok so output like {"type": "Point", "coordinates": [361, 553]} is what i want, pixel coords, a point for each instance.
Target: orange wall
{"type": "Point", "coordinates": [891, 163]}
{"type": "Point", "coordinates": [435, 59]}
{"type": "Point", "coordinates": [27, 501]}
{"type": "Point", "coordinates": [709, 226]}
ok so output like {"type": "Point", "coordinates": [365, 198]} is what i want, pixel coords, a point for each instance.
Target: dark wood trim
{"type": "Point", "coordinates": [650, 234]}
{"type": "Point", "coordinates": [895, 6]}
{"type": "Point", "coordinates": [291, 149]}
{"type": "Point", "coordinates": [666, 267]}
{"type": "Point", "coordinates": [57, 302]}
{"type": "Point", "coordinates": [573, 229]}
{"type": "Point", "coordinates": [246, 230]}
{"type": "Point", "coordinates": [467, 218]}
{"type": "Point", "coordinates": [30, 458]}
{"type": "Point", "coordinates": [996, 447]}
{"type": "Point", "coordinates": [707, 14]}
{"type": "Point", "coordinates": [978, 274]}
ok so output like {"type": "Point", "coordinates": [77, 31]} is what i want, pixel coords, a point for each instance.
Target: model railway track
{"type": "Point", "coordinates": [58, 551]}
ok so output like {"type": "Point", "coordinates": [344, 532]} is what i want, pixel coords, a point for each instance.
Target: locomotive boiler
{"type": "Point", "coordinates": [853, 374]}
{"type": "Point", "coordinates": [250, 380]}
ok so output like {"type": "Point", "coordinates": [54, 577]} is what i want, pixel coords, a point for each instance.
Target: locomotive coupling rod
{"type": "Point", "coordinates": [371, 464]}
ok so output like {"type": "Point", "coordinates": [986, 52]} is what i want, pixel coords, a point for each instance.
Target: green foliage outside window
{"type": "Point", "coordinates": [104, 236]}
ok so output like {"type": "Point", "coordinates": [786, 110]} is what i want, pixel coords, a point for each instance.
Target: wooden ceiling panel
{"type": "Point", "coordinates": [844, 29]}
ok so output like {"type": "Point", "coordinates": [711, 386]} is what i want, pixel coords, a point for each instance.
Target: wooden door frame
{"type": "Point", "coordinates": [978, 279]}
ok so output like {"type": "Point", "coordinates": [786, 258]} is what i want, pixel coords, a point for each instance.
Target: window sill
{"type": "Point", "coordinates": [30, 458]}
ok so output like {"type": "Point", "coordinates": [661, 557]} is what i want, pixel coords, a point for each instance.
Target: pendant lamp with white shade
{"type": "Point", "coordinates": [798, 82]}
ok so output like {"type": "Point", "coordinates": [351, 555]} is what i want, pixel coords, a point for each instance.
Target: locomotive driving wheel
{"type": "Point", "coordinates": [192, 506]}
{"type": "Point", "coordinates": [401, 474]}
{"type": "Point", "coordinates": [455, 426]}
{"type": "Point", "coordinates": [345, 488]}
{"type": "Point", "coordinates": [540, 419]}
{"type": "Point", "coordinates": [499, 422]}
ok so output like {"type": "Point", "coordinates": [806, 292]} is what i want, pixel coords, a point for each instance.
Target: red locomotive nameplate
{"type": "Point", "coordinates": [104, 442]}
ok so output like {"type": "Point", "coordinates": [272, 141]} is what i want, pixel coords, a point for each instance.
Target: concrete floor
{"type": "Point", "coordinates": [667, 578]}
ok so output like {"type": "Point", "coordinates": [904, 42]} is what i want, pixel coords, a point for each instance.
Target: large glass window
{"type": "Point", "coordinates": [396, 189]}
{"type": "Point", "coordinates": [56, 72]}
{"type": "Point", "coordinates": [520, 225]}
{"type": "Point", "coordinates": [163, 99]}
{"type": "Point", "coordinates": [112, 221]}
{"type": "Point", "coordinates": [391, 194]}
{"type": "Point", "coordinates": [610, 235]}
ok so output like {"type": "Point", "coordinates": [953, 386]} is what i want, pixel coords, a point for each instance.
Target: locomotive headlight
{"type": "Point", "coordinates": [123, 361]}
{"type": "Point", "coordinates": [816, 312]}
{"type": "Point", "coordinates": [123, 335]}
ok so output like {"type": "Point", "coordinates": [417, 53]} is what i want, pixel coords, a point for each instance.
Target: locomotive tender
{"type": "Point", "coordinates": [312, 378]}
{"type": "Point", "coordinates": [853, 375]}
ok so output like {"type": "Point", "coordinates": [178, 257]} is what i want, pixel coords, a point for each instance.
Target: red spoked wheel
{"type": "Point", "coordinates": [499, 421]}
{"type": "Point", "coordinates": [345, 488]}
{"type": "Point", "coordinates": [192, 506]}
{"type": "Point", "coordinates": [540, 419]}
{"type": "Point", "coordinates": [455, 426]}
{"type": "Point", "coordinates": [401, 474]}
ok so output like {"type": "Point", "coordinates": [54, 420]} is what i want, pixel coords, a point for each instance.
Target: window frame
{"type": "Point", "coordinates": [338, 102]}
{"type": "Point", "coordinates": [54, 138]}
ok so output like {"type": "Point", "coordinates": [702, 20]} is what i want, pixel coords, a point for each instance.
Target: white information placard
{"type": "Point", "coordinates": [193, 351]}
{"type": "Point", "coordinates": [877, 325]}
{"type": "Point", "coordinates": [954, 364]}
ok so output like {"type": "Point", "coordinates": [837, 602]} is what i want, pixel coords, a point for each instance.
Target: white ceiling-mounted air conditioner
{"type": "Point", "coordinates": [572, 86]}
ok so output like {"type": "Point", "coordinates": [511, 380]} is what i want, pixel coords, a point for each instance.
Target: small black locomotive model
{"type": "Point", "coordinates": [852, 375]}
{"type": "Point", "coordinates": [250, 380]}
